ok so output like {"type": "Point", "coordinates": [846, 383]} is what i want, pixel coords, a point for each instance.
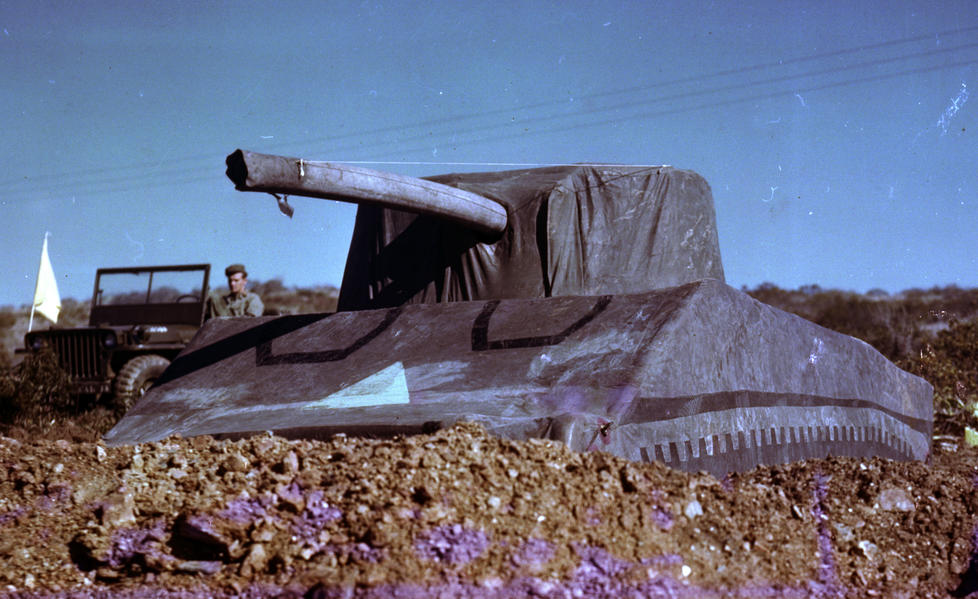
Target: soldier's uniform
{"type": "Point", "coordinates": [234, 304]}
{"type": "Point", "coordinates": [245, 303]}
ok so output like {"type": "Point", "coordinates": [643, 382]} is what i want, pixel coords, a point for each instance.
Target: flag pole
{"type": "Point", "coordinates": [37, 283]}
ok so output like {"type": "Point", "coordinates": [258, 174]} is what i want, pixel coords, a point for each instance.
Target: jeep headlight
{"type": "Point", "coordinates": [36, 343]}
{"type": "Point", "coordinates": [142, 334]}
{"type": "Point", "coordinates": [109, 340]}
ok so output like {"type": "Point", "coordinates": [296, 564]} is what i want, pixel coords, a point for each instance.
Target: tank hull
{"type": "Point", "coordinates": [699, 376]}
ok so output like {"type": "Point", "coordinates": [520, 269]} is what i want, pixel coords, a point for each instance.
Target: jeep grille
{"type": "Point", "coordinates": [80, 353]}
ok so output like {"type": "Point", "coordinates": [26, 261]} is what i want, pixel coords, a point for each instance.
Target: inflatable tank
{"type": "Point", "coordinates": [581, 303]}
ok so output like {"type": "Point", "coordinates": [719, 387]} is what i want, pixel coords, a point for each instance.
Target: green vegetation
{"type": "Point", "coordinates": [949, 362]}
{"type": "Point", "coordinates": [279, 299]}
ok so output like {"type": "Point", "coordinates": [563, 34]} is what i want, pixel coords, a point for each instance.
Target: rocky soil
{"type": "Point", "coordinates": [462, 514]}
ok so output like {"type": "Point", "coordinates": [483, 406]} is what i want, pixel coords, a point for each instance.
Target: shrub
{"type": "Point", "coordinates": [7, 319]}
{"type": "Point", "coordinates": [887, 326]}
{"type": "Point", "coordinates": [34, 391]}
{"type": "Point", "coordinates": [73, 313]}
{"type": "Point", "coordinates": [950, 364]}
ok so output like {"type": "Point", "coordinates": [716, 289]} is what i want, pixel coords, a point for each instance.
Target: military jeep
{"type": "Point", "coordinates": [141, 317]}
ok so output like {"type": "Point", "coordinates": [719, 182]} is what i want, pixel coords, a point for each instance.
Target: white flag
{"type": "Point", "coordinates": [46, 298]}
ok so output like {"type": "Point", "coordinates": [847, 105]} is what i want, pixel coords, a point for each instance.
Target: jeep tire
{"type": "Point", "coordinates": [136, 377]}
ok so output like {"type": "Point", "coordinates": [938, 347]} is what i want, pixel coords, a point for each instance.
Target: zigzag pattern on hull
{"type": "Point", "coordinates": [746, 449]}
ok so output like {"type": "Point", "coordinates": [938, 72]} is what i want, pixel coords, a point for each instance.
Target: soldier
{"type": "Point", "coordinates": [239, 301]}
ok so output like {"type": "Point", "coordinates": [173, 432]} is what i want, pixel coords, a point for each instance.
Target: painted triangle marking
{"type": "Point", "coordinates": [385, 387]}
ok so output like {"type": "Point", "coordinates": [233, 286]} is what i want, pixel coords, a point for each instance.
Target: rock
{"type": "Point", "coordinates": [117, 509]}
{"type": "Point", "coordinates": [160, 562]}
{"type": "Point", "coordinates": [843, 533]}
{"type": "Point", "coordinates": [195, 536]}
{"type": "Point", "coordinates": [291, 495]}
{"type": "Point", "coordinates": [85, 491]}
{"type": "Point", "coordinates": [868, 550]}
{"type": "Point", "coordinates": [894, 499]}
{"type": "Point", "coordinates": [108, 574]}
{"type": "Point", "coordinates": [290, 463]}
{"type": "Point", "coordinates": [255, 561]}
{"type": "Point", "coordinates": [235, 462]}
{"type": "Point", "coordinates": [199, 566]}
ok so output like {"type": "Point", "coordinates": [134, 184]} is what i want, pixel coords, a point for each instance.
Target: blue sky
{"type": "Point", "coordinates": [839, 141]}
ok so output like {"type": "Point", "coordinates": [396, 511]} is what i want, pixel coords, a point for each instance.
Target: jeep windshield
{"type": "Point", "coordinates": [149, 287]}
{"type": "Point", "coordinates": [141, 295]}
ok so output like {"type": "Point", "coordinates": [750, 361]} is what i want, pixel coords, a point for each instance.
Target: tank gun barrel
{"type": "Point", "coordinates": [251, 171]}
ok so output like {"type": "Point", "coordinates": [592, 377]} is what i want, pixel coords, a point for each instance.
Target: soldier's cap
{"type": "Point", "coordinates": [235, 268]}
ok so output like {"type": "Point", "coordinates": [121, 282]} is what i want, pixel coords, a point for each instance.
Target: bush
{"type": "Point", "coordinates": [73, 313]}
{"type": "Point", "coordinates": [34, 391]}
{"type": "Point", "coordinates": [950, 364]}
{"type": "Point", "coordinates": [887, 326]}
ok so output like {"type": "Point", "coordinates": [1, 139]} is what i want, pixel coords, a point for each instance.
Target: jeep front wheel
{"type": "Point", "coordinates": [136, 377]}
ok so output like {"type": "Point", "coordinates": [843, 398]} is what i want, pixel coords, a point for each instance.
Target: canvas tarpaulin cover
{"type": "Point", "coordinates": [598, 318]}
{"type": "Point", "coordinates": [572, 230]}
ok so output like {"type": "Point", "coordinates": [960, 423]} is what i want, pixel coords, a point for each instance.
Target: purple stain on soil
{"type": "Point", "coordinates": [517, 588]}
{"type": "Point", "coordinates": [12, 515]}
{"type": "Point", "coordinates": [534, 552]}
{"type": "Point", "coordinates": [148, 591]}
{"type": "Point", "coordinates": [203, 523]}
{"type": "Point", "coordinates": [662, 517]}
{"type": "Point", "coordinates": [659, 512]}
{"type": "Point", "coordinates": [56, 494]}
{"type": "Point", "coordinates": [453, 544]}
{"type": "Point", "coordinates": [45, 503]}
{"type": "Point", "coordinates": [668, 559]}
{"type": "Point", "coordinates": [362, 552]}
{"type": "Point", "coordinates": [245, 510]}
{"type": "Point", "coordinates": [316, 515]}
{"type": "Point", "coordinates": [292, 493]}
{"type": "Point", "coordinates": [318, 510]}
{"type": "Point", "coordinates": [353, 552]}
{"type": "Point", "coordinates": [597, 564]}
{"type": "Point", "coordinates": [128, 543]}
{"type": "Point", "coordinates": [827, 574]}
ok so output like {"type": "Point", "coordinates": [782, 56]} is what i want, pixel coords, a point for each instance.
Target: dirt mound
{"type": "Point", "coordinates": [462, 514]}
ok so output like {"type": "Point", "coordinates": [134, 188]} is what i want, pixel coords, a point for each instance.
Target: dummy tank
{"type": "Point", "coordinates": [582, 303]}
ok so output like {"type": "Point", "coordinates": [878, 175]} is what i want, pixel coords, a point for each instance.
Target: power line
{"type": "Point", "coordinates": [686, 96]}
{"type": "Point", "coordinates": [639, 89]}
{"type": "Point", "coordinates": [630, 90]}
{"type": "Point", "coordinates": [178, 175]}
